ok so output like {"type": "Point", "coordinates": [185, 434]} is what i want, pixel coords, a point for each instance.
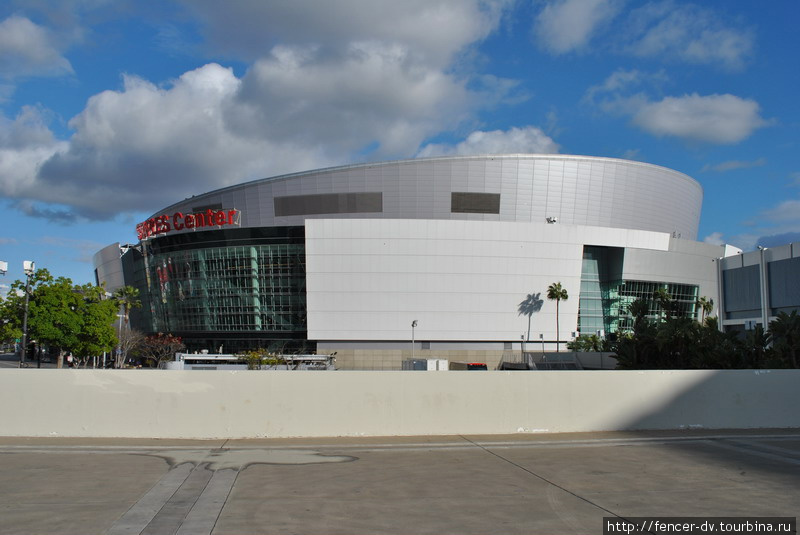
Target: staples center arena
{"type": "Point", "coordinates": [345, 259]}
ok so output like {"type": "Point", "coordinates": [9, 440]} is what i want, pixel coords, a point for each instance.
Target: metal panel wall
{"type": "Point", "coordinates": [578, 190]}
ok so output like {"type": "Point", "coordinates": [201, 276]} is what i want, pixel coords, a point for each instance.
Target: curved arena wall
{"type": "Point", "coordinates": [579, 190]}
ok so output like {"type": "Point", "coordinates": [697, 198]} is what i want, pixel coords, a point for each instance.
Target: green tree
{"type": "Point", "coordinates": [638, 309]}
{"type": "Point", "coordinates": [127, 298]}
{"type": "Point", "coordinates": [638, 350]}
{"type": "Point", "coordinates": [706, 307]}
{"type": "Point", "coordinates": [785, 334]}
{"type": "Point", "coordinates": [555, 292]}
{"type": "Point", "coordinates": [257, 358]}
{"type": "Point", "coordinates": [53, 317]}
{"type": "Point", "coordinates": [528, 307]}
{"type": "Point", "coordinates": [586, 342]}
{"type": "Point", "coordinates": [665, 302]}
{"type": "Point", "coordinates": [61, 316]}
{"type": "Point", "coordinates": [96, 314]}
{"type": "Point", "coordinates": [754, 348]}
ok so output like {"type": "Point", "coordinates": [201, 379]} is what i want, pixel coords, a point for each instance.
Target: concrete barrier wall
{"type": "Point", "coordinates": [213, 404]}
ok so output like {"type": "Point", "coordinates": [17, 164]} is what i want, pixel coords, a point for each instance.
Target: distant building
{"type": "Point", "coordinates": [756, 286]}
{"type": "Point", "coordinates": [345, 259]}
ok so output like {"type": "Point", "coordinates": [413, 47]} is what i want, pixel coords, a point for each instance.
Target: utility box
{"type": "Point", "coordinates": [425, 364]}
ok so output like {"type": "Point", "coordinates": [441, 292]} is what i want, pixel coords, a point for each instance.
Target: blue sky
{"type": "Point", "coordinates": [112, 110]}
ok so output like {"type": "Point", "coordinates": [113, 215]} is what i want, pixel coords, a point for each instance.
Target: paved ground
{"type": "Point", "coordinates": [461, 484]}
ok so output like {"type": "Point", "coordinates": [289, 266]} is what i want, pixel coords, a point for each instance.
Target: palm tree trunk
{"type": "Point", "coordinates": [558, 344]}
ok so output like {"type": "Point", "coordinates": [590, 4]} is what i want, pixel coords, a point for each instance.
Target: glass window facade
{"type": "Point", "coordinates": [239, 288]}
{"type": "Point", "coordinates": [605, 296]}
{"type": "Point", "coordinates": [683, 295]}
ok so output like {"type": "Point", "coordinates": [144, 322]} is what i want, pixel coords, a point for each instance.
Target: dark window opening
{"type": "Point", "coordinates": [462, 202]}
{"type": "Point", "coordinates": [329, 203]}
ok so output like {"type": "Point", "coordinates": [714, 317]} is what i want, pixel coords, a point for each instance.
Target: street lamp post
{"type": "Point", "coordinates": [29, 267]}
{"type": "Point", "coordinates": [413, 325]}
{"type": "Point", "coordinates": [541, 337]}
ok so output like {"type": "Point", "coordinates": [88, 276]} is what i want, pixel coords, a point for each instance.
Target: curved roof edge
{"type": "Point", "coordinates": [531, 156]}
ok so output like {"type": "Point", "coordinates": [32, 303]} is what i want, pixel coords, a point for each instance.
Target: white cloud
{"type": "Point", "coordinates": [147, 144]}
{"type": "Point", "coordinates": [715, 238]}
{"type": "Point", "coordinates": [567, 25]}
{"type": "Point", "coordinates": [775, 226]}
{"type": "Point", "coordinates": [687, 33]}
{"type": "Point", "coordinates": [375, 94]}
{"type": "Point", "coordinates": [27, 49]}
{"type": "Point", "coordinates": [616, 94]}
{"type": "Point", "coordinates": [434, 30]}
{"type": "Point", "coordinates": [378, 83]}
{"type": "Point", "coordinates": [786, 212]}
{"type": "Point", "coordinates": [732, 165]}
{"type": "Point", "coordinates": [718, 119]}
{"type": "Point", "coordinates": [25, 142]}
{"type": "Point", "coordinates": [529, 140]}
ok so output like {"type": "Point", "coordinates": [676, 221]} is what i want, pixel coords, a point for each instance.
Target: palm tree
{"type": "Point", "coordinates": [706, 306]}
{"type": "Point", "coordinates": [664, 300]}
{"type": "Point", "coordinates": [638, 309]}
{"type": "Point", "coordinates": [127, 297]}
{"type": "Point", "coordinates": [531, 305]}
{"type": "Point", "coordinates": [785, 334]}
{"type": "Point", "coordinates": [556, 293]}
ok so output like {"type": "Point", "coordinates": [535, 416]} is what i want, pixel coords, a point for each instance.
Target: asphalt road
{"type": "Point", "coordinates": [460, 484]}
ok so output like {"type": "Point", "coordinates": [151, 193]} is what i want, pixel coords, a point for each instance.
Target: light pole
{"type": "Point", "coordinates": [413, 325]}
{"type": "Point", "coordinates": [541, 337]}
{"type": "Point", "coordinates": [28, 267]}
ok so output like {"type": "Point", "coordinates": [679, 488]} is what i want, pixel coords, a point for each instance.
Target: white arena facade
{"type": "Point", "coordinates": [345, 259]}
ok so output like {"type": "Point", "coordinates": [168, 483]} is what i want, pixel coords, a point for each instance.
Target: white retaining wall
{"type": "Point", "coordinates": [215, 404]}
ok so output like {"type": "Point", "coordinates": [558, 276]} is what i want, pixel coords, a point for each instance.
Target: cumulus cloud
{"type": "Point", "coordinates": [25, 142]}
{"type": "Point", "coordinates": [516, 140]}
{"type": "Point", "coordinates": [665, 30]}
{"type": "Point", "coordinates": [27, 49]}
{"type": "Point", "coordinates": [434, 29]}
{"type": "Point", "coordinates": [146, 142]}
{"type": "Point", "coordinates": [715, 238]}
{"type": "Point", "coordinates": [376, 84]}
{"type": "Point", "coordinates": [786, 212]}
{"type": "Point", "coordinates": [623, 91]}
{"type": "Point", "coordinates": [687, 33]}
{"type": "Point", "coordinates": [718, 119]}
{"type": "Point", "coordinates": [732, 165]}
{"type": "Point", "coordinates": [775, 226]}
{"type": "Point", "coordinates": [776, 240]}
{"type": "Point", "coordinates": [375, 94]}
{"type": "Point", "coordinates": [568, 25]}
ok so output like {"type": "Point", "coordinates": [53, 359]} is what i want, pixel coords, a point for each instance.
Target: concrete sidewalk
{"type": "Point", "coordinates": [460, 484]}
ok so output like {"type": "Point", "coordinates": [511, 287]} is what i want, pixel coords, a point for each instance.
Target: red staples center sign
{"type": "Point", "coordinates": [164, 224]}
